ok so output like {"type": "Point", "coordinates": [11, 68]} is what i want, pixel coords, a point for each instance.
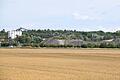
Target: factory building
{"type": "Point", "coordinates": [14, 33]}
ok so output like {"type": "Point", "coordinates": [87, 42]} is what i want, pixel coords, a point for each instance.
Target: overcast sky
{"type": "Point", "coordinates": [83, 15]}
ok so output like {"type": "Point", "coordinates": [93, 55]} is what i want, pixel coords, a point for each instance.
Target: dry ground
{"type": "Point", "coordinates": [59, 64]}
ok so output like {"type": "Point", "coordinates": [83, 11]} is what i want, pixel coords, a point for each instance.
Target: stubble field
{"type": "Point", "coordinates": [59, 64]}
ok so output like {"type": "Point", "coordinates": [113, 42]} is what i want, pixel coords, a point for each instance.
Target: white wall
{"type": "Point", "coordinates": [13, 34]}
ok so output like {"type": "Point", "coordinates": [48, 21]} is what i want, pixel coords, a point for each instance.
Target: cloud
{"type": "Point", "coordinates": [77, 16]}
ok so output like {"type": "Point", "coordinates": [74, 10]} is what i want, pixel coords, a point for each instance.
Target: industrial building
{"type": "Point", "coordinates": [14, 33]}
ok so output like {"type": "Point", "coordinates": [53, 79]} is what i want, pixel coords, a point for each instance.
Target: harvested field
{"type": "Point", "coordinates": [59, 64]}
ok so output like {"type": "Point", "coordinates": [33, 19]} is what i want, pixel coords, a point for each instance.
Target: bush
{"type": "Point", "coordinates": [84, 46]}
{"type": "Point", "coordinates": [5, 44]}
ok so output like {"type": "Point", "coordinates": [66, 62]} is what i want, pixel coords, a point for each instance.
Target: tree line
{"type": "Point", "coordinates": [36, 38]}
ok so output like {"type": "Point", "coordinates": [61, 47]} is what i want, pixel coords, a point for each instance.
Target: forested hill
{"type": "Point", "coordinates": [65, 38]}
{"type": "Point", "coordinates": [69, 34]}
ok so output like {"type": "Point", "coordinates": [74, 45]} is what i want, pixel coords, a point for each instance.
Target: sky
{"type": "Point", "coordinates": [81, 15]}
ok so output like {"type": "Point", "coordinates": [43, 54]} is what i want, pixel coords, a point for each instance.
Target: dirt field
{"type": "Point", "coordinates": [59, 64]}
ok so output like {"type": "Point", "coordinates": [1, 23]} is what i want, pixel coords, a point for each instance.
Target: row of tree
{"type": "Point", "coordinates": [88, 45]}
{"type": "Point", "coordinates": [35, 38]}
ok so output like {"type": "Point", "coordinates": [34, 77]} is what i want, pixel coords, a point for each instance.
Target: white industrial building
{"type": "Point", "coordinates": [14, 33]}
